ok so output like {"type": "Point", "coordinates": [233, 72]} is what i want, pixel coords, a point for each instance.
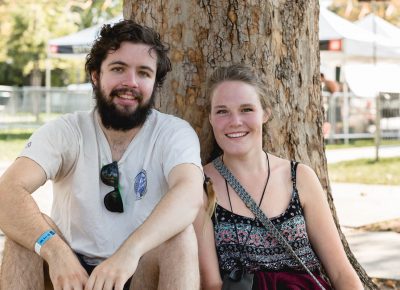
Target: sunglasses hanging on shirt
{"type": "Point", "coordinates": [109, 175]}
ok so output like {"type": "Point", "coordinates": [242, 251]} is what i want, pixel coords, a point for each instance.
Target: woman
{"type": "Point", "coordinates": [291, 197]}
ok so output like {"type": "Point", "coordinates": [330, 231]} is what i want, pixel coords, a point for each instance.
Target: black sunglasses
{"type": "Point", "coordinates": [109, 175]}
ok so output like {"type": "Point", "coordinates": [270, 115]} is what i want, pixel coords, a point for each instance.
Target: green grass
{"type": "Point", "coordinates": [360, 143]}
{"type": "Point", "coordinates": [12, 142]}
{"type": "Point", "coordinates": [386, 171]}
{"type": "Point", "coordinates": [366, 171]}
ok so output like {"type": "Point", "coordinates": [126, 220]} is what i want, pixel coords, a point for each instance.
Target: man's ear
{"type": "Point", "coordinates": [94, 76]}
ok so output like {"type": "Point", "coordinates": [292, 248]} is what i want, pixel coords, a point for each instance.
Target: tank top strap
{"type": "Point", "coordinates": [293, 167]}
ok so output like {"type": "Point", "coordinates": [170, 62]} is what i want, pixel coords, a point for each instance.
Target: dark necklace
{"type": "Point", "coordinates": [252, 224]}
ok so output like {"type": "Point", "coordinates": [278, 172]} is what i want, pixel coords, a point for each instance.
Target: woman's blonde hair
{"type": "Point", "coordinates": [234, 72]}
{"type": "Point", "coordinates": [237, 72]}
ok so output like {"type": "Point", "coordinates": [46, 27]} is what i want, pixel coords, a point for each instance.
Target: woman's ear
{"type": "Point", "coordinates": [267, 115]}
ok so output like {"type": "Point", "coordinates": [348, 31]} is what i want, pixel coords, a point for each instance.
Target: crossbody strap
{"type": "Point", "coordinates": [252, 205]}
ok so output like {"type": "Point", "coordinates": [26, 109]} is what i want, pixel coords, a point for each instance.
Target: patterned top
{"type": "Point", "coordinates": [261, 251]}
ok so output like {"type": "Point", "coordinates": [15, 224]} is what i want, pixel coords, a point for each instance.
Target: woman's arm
{"type": "Point", "coordinates": [322, 231]}
{"type": "Point", "coordinates": [209, 271]}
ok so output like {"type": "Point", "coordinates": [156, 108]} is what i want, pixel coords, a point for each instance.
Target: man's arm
{"type": "Point", "coordinates": [22, 221]}
{"type": "Point", "coordinates": [174, 213]}
{"type": "Point", "coordinates": [20, 217]}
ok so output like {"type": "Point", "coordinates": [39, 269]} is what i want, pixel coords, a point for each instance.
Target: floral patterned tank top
{"type": "Point", "coordinates": [262, 251]}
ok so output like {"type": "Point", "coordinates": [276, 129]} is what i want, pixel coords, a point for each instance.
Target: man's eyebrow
{"type": "Point", "coordinates": [117, 62]}
{"type": "Point", "coordinates": [145, 67]}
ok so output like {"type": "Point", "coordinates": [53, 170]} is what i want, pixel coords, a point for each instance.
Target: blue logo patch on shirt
{"type": "Point", "coordinates": [141, 184]}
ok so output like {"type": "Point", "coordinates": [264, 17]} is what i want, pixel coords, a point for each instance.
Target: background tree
{"type": "Point", "coordinates": [25, 30]}
{"type": "Point", "coordinates": [279, 38]}
{"type": "Point", "coordinates": [357, 9]}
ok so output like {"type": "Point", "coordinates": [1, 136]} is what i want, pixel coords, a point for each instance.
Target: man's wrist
{"type": "Point", "coordinates": [46, 236]}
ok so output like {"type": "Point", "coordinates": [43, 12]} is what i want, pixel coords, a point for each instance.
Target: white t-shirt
{"type": "Point", "coordinates": [72, 150]}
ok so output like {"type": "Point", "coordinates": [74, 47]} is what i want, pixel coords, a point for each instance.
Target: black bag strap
{"type": "Point", "coordinates": [252, 205]}
{"type": "Point", "coordinates": [293, 168]}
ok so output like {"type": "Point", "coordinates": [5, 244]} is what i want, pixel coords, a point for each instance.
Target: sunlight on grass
{"type": "Point", "coordinates": [12, 142]}
{"type": "Point", "coordinates": [366, 171]}
{"type": "Point", "coordinates": [361, 143]}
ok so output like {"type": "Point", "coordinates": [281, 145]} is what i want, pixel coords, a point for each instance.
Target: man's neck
{"type": "Point", "coordinates": [118, 140]}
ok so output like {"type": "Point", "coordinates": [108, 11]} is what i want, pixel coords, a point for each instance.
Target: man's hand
{"type": "Point", "coordinates": [66, 272]}
{"type": "Point", "coordinates": [113, 273]}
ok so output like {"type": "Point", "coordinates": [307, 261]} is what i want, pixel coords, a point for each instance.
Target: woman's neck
{"type": "Point", "coordinates": [250, 163]}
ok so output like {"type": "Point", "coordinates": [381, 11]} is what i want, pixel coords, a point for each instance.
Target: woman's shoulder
{"type": "Point", "coordinates": [305, 173]}
{"type": "Point", "coordinates": [308, 184]}
{"type": "Point", "coordinates": [210, 171]}
{"type": "Point", "coordinates": [282, 164]}
{"type": "Point", "coordinates": [279, 164]}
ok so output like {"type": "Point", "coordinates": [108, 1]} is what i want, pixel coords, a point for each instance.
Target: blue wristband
{"type": "Point", "coordinates": [47, 235]}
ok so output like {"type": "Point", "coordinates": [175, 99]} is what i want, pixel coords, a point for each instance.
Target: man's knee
{"type": "Point", "coordinates": [184, 243]}
{"type": "Point", "coordinates": [173, 264]}
{"type": "Point", "coordinates": [181, 246]}
{"type": "Point", "coordinates": [21, 268]}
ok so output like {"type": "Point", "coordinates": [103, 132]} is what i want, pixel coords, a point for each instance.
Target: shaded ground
{"type": "Point", "coordinates": [392, 225]}
{"type": "Point", "coordinates": [385, 284]}
{"type": "Point", "coordinates": [386, 226]}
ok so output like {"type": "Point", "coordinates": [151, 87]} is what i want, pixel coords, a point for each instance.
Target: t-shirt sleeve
{"type": "Point", "coordinates": [181, 146]}
{"type": "Point", "coordinates": [54, 146]}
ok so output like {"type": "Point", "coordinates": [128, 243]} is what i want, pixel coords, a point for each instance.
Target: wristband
{"type": "Point", "coordinates": [47, 235]}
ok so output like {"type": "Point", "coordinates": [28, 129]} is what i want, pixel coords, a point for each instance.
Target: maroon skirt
{"type": "Point", "coordinates": [287, 281]}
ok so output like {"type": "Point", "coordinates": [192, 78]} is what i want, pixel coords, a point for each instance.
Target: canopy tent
{"type": "Point", "coordinates": [367, 80]}
{"type": "Point", "coordinates": [75, 45]}
{"type": "Point", "coordinates": [353, 43]}
{"type": "Point", "coordinates": [332, 26]}
{"type": "Point", "coordinates": [379, 26]}
{"type": "Point", "coordinates": [78, 43]}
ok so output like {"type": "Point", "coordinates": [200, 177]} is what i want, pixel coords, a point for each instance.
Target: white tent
{"type": "Point", "coordinates": [366, 80]}
{"type": "Point", "coordinates": [332, 26]}
{"type": "Point", "coordinates": [357, 44]}
{"type": "Point", "coordinates": [378, 25]}
{"type": "Point", "coordinates": [78, 43]}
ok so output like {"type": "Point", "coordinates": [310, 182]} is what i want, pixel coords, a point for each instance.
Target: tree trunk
{"type": "Point", "coordinates": [279, 38]}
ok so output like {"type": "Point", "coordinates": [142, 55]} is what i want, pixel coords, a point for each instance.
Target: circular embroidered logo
{"type": "Point", "coordinates": [140, 184]}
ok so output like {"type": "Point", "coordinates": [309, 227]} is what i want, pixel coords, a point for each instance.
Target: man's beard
{"type": "Point", "coordinates": [116, 119]}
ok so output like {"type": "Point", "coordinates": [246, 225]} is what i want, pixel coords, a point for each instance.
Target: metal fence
{"type": "Point", "coordinates": [346, 115]}
{"type": "Point", "coordinates": [32, 106]}
{"type": "Point", "coordinates": [350, 117]}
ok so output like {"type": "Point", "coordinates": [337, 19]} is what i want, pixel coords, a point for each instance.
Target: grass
{"type": "Point", "coordinates": [360, 143]}
{"type": "Point", "coordinates": [12, 142]}
{"type": "Point", "coordinates": [366, 171]}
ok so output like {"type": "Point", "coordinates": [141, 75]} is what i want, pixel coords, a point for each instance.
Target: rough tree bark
{"type": "Point", "coordinates": [277, 37]}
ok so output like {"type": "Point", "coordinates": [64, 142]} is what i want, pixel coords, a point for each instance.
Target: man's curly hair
{"type": "Point", "coordinates": [111, 37]}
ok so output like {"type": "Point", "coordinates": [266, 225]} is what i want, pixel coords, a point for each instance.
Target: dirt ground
{"type": "Point", "coordinates": [394, 226]}
{"type": "Point", "coordinates": [391, 225]}
{"type": "Point", "coordinates": [384, 284]}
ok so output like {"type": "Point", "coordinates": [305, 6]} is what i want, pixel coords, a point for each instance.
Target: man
{"type": "Point", "coordinates": [127, 182]}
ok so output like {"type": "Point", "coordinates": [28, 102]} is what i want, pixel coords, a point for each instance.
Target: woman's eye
{"type": "Point", "coordinates": [247, 110]}
{"type": "Point", "coordinates": [218, 112]}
